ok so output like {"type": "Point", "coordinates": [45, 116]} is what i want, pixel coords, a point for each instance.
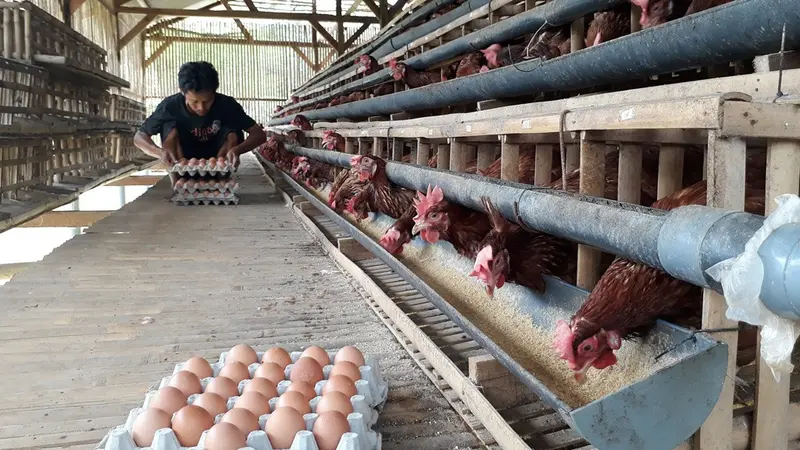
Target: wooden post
{"type": "Point", "coordinates": [443, 157]}
{"type": "Point", "coordinates": [771, 409]}
{"type": "Point", "coordinates": [397, 149]}
{"type": "Point", "coordinates": [379, 147]}
{"type": "Point", "coordinates": [543, 169]}
{"type": "Point", "coordinates": [423, 152]}
{"type": "Point", "coordinates": [577, 35]}
{"type": "Point", "coordinates": [670, 170]}
{"type": "Point", "coordinates": [592, 182]}
{"type": "Point", "coordinates": [573, 157]}
{"type": "Point", "coordinates": [629, 187]}
{"type": "Point", "coordinates": [726, 163]}
{"type": "Point", "coordinates": [509, 160]}
{"type": "Point", "coordinates": [485, 156]}
{"type": "Point", "coordinates": [458, 156]}
{"type": "Point", "coordinates": [349, 146]}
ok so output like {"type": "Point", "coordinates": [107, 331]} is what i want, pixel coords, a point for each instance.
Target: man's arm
{"type": "Point", "coordinates": [151, 126]}
{"type": "Point", "coordinates": [255, 134]}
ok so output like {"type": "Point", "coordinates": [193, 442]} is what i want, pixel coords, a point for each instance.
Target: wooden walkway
{"type": "Point", "coordinates": [90, 328]}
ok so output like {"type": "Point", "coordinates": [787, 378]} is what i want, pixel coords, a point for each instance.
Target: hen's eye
{"type": "Point", "coordinates": [435, 215]}
{"type": "Point", "coordinates": [587, 347]}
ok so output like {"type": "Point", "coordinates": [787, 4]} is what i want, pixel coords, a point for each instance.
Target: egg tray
{"type": "Point", "coordinates": [191, 185]}
{"type": "Point", "coordinates": [205, 198]}
{"type": "Point", "coordinates": [207, 169]}
{"type": "Point", "coordinates": [370, 375]}
{"type": "Point", "coordinates": [359, 438]}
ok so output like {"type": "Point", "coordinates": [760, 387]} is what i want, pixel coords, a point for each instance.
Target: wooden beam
{"type": "Point", "coordinates": [250, 5]}
{"type": "Point", "coordinates": [156, 53]}
{"type": "Point", "coordinates": [352, 8]}
{"type": "Point", "coordinates": [355, 36]}
{"type": "Point", "coordinates": [372, 7]}
{"type": "Point", "coordinates": [177, 12]}
{"type": "Point", "coordinates": [170, 22]}
{"type": "Point", "coordinates": [234, 41]}
{"type": "Point", "coordinates": [138, 28]}
{"type": "Point", "coordinates": [303, 57]}
{"type": "Point", "coordinates": [245, 33]}
{"type": "Point", "coordinates": [327, 59]}
{"type": "Point", "coordinates": [74, 5]}
{"type": "Point", "coordinates": [325, 35]}
{"type": "Point", "coordinates": [69, 219]}
{"type": "Point", "coordinates": [339, 27]}
{"type": "Point", "coordinates": [142, 180]}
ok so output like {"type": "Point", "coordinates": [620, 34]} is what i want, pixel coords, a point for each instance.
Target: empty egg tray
{"type": "Point", "coordinates": [205, 198]}
{"type": "Point", "coordinates": [359, 438]}
{"type": "Point", "coordinates": [206, 169]}
{"type": "Point", "coordinates": [192, 185]}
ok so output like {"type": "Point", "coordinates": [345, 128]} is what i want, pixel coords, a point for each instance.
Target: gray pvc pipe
{"type": "Point", "coordinates": [702, 39]}
{"type": "Point", "coordinates": [553, 13]}
{"type": "Point", "coordinates": [393, 37]}
{"type": "Point", "coordinates": [683, 242]}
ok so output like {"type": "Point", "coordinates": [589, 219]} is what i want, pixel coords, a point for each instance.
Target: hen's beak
{"type": "Point", "coordinates": [580, 377]}
{"type": "Point", "coordinates": [418, 226]}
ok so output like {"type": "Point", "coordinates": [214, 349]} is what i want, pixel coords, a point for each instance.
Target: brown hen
{"type": "Point", "coordinates": [629, 298]}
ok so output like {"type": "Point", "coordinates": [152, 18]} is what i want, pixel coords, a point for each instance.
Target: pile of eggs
{"type": "Point", "coordinates": [204, 181]}
{"type": "Point", "coordinates": [168, 408]}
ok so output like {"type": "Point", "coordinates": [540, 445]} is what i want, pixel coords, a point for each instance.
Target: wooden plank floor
{"type": "Point", "coordinates": [89, 329]}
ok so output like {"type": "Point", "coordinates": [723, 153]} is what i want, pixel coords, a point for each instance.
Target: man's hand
{"type": "Point", "coordinates": [168, 156]}
{"type": "Point", "coordinates": [231, 154]}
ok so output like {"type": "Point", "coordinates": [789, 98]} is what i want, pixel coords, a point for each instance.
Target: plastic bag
{"type": "Point", "coordinates": [741, 279]}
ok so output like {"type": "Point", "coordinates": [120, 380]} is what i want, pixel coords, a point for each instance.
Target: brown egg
{"type": "Point", "coordinates": [276, 355]}
{"type": "Point", "coordinates": [187, 382]}
{"type": "Point", "coordinates": [202, 162]}
{"type": "Point", "coordinates": [304, 388]}
{"type": "Point", "coordinates": [329, 428]}
{"type": "Point", "coordinates": [211, 402]}
{"type": "Point", "coordinates": [317, 353]}
{"type": "Point", "coordinates": [347, 369]}
{"type": "Point", "coordinates": [341, 384]}
{"type": "Point", "coordinates": [236, 371]}
{"type": "Point", "coordinates": [224, 387]}
{"type": "Point", "coordinates": [147, 423]}
{"type": "Point", "coordinates": [243, 419]}
{"type": "Point", "coordinates": [306, 369]}
{"type": "Point", "coordinates": [351, 354]}
{"type": "Point", "coordinates": [189, 423]}
{"type": "Point", "coordinates": [271, 371]}
{"type": "Point", "coordinates": [283, 425]}
{"type": "Point", "coordinates": [334, 401]}
{"type": "Point", "coordinates": [296, 400]}
{"type": "Point", "coordinates": [199, 366]}
{"type": "Point", "coordinates": [193, 162]}
{"type": "Point", "coordinates": [212, 161]}
{"type": "Point", "coordinates": [243, 354]}
{"type": "Point", "coordinates": [225, 436]}
{"type": "Point", "coordinates": [263, 386]}
{"type": "Point", "coordinates": [253, 402]}
{"type": "Point", "coordinates": [168, 399]}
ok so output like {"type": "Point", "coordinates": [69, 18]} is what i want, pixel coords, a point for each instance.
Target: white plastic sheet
{"type": "Point", "coordinates": [741, 279]}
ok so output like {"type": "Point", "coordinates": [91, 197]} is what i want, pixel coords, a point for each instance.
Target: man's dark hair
{"type": "Point", "coordinates": [198, 76]}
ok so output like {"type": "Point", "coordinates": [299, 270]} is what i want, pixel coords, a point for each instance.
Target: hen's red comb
{"type": "Point", "coordinates": [425, 202]}
{"type": "Point", "coordinates": [392, 63]}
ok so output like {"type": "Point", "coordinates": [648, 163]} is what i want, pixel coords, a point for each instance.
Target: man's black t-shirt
{"type": "Point", "coordinates": [226, 115]}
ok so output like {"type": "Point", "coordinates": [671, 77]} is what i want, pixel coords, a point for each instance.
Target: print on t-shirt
{"type": "Point", "coordinates": [204, 134]}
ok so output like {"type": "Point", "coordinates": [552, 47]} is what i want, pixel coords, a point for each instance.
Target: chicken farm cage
{"type": "Point", "coordinates": [730, 126]}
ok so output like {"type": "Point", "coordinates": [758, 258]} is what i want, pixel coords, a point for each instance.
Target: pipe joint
{"type": "Point", "coordinates": [780, 256]}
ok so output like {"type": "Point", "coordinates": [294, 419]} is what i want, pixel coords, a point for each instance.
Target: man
{"type": "Point", "coordinates": [198, 122]}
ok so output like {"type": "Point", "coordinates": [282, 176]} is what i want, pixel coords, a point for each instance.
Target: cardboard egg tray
{"type": "Point", "coordinates": [205, 198]}
{"type": "Point", "coordinates": [359, 438]}
{"type": "Point", "coordinates": [192, 185]}
{"type": "Point", "coordinates": [184, 169]}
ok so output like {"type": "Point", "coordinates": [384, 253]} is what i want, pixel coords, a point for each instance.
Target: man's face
{"type": "Point", "coordinates": [199, 102]}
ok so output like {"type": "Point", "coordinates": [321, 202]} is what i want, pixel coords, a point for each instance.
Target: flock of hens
{"type": "Point", "coordinates": [629, 297]}
{"type": "Point", "coordinates": [548, 44]}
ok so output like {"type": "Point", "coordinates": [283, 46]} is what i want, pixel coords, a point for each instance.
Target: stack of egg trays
{"type": "Point", "coordinates": [373, 391]}
{"type": "Point", "coordinates": [194, 194]}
